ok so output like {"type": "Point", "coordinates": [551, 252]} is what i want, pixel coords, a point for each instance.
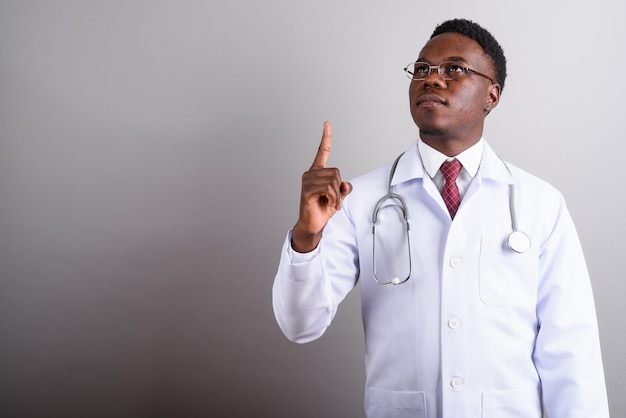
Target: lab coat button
{"type": "Point", "coordinates": [456, 383]}
{"type": "Point", "coordinates": [454, 323]}
{"type": "Point", "coordinates": [455, 262]}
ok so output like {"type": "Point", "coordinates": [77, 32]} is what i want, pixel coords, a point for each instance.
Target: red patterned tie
{"type": "Point", "coordinates": [450, 191]}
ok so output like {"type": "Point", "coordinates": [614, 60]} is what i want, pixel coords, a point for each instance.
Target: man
{"type": "Point", "coordinates": [466, 323]}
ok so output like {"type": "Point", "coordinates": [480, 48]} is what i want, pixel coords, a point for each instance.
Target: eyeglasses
{"type": "Point", "coordinates": [448, 70]}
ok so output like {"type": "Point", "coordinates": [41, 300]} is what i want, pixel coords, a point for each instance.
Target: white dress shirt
{"type": "Point", "coordinates": [469, 159]}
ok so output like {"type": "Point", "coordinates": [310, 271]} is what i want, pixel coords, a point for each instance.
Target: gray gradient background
{"type": "Point", "coordinates": [150, 159]}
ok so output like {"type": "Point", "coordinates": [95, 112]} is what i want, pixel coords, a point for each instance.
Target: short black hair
{"type": "Point", "coordinates": [481, 35]}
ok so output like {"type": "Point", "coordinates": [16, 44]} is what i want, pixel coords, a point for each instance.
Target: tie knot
{"type": "Point", "coordinates": [450, 170]}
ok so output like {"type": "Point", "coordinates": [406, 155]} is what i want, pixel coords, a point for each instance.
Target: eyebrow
{"type": "Point", "coordinates": [455, 59]}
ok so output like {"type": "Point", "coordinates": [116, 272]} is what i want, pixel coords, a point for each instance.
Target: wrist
{"type": "Point", "coordinates": [304, 241]}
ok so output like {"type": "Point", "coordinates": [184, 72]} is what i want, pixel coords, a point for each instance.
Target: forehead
{"type": "Point", "coordinates": [452, 45]}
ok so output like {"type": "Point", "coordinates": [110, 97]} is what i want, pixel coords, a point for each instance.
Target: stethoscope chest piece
{"type": "Point", "coordinates": [519, 242]}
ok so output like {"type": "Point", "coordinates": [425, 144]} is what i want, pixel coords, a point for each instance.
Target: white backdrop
{"type": "Point", "coordinates": [150, 159]}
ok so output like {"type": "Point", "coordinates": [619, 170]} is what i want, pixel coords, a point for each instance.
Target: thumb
{"type": "Point", "coordinates": [346, 188]}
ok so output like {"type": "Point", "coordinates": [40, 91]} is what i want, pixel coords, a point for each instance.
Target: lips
{"type": "Point", "coordinates": [429, 99]}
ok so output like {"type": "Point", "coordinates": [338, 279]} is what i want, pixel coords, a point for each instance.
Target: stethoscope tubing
{"type": "Point", "coordinates": [518, 241]}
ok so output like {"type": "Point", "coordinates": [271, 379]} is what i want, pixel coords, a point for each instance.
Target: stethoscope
{"type": "Point", "coordinates": [518, 241]}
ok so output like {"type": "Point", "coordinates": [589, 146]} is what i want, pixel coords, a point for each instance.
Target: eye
{"type": "Point", "coordinates": [421, 69]}
{"type": "Point", "coordinates": [453, 70]}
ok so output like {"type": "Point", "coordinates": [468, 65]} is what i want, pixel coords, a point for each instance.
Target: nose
{"type": "Point", "coordinates": [434, 79]}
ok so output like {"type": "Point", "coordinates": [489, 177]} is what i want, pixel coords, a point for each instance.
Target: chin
{"type": "Point", "coordinates": [431, 132]}
{"type": "Point", "coordinates": [429, 125]}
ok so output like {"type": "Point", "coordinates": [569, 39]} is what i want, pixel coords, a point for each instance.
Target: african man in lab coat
{"type": "Point", "coordinates": [464, 324]}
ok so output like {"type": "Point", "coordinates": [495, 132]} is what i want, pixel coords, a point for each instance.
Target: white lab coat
{"type": "Point", "coordinates": [478, 330]}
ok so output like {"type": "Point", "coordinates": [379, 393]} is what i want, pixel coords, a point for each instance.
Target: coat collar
{"type": "Point", "coordinates": [411, 166]}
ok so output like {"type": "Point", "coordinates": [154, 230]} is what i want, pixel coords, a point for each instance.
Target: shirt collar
{"type": "Point", "coordinates": [469, 159]}
{"type": "Point", "coordinates": [413, 162]}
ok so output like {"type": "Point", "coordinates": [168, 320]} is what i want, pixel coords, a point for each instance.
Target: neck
{"type": "Point", "coordinates": [447, 146]}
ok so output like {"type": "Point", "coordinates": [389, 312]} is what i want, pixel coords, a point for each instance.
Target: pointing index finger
{"type": "Point", "coordinates": [324, 149]}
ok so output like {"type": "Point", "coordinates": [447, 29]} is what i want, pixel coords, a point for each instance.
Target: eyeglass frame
{"type": "Point", "coordinates": [440, 71]}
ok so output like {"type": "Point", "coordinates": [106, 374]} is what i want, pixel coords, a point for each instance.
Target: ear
{"type": "Point", "coordinates": [493, 98]}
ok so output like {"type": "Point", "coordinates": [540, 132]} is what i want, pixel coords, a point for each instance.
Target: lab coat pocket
{"type": "Point", "coordinates": [507, 278]}
{"type": "Point", "coordinates": [511, 404]}
{"type": "Point", "coordinates": [381, 403]}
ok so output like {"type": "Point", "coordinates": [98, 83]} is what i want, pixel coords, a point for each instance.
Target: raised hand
{"type": "Point", "coordinates": [321, 197]}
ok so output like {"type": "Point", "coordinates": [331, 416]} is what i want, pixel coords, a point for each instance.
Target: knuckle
{"type": "Point", "coordinates": [335, 172]}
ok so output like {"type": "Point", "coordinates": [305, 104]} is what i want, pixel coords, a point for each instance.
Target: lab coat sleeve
{"type": "Point", "coordinates": [309, 287]}
{"type": "Point", "coordinates": [567, 350]}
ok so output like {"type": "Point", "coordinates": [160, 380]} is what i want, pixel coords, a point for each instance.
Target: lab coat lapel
{"type": "Point", "coordinates": [491, 169]}
{"type": "Point", "coordinates": [411, 167]}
